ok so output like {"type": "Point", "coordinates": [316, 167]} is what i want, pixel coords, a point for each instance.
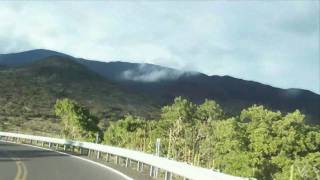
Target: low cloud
{"type": "Point", "coordinates": [293, 92]}
{"type": "Point", "coordinates": [150, 73]}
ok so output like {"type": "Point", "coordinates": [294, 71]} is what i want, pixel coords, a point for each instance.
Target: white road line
{"type": "Point", "coordinates": [81, 158]}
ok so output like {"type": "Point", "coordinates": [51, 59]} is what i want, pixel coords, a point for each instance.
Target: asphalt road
{"type": "Point", "coordinates": [19, 162]}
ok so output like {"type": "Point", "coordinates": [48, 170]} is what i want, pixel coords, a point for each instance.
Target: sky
{"type": "Point", "coordinates": [272, 42]}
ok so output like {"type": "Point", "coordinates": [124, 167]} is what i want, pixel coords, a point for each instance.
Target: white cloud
{"type": "Point", "coordinates": [151, 74]}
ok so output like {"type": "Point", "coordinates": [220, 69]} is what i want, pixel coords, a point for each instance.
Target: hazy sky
{"type": "Point", "coordinates": [275, 42]}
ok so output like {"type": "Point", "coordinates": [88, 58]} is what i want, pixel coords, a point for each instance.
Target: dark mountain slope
{"type": "Point", "coordinates": [27, 57]}
{"type": "Point", "coordinates": [234, 94]}
{"type": "Point", "coordinates": [32, 90]}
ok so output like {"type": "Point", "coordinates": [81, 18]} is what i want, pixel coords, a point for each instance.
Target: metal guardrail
{"type": "Point", "coordinates": [170, 167]}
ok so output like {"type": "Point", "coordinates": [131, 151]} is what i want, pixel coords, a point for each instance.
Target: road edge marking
{"type": "Point", "coordinates": [78, 157]}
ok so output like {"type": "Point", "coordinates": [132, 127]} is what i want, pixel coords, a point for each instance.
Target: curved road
{"type": "Point", "coordinates": [20, 162]}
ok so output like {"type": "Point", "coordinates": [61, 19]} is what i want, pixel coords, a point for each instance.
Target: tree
{"type": "Point", "coordinates": [277, 142]}
{"type": "Point", "coordinates": [177, 121]}
{"type": "Point", "coordinates": [258, 122]}
{"type": "Point", "coordinates": [187, 124]}
{"type": "Point", "coordinates": [130, 132]}
{"type": "Point", "coordinates": [180, 109]}
{"type": "Point", "coordinates": [77, 121]}
{"type": "Point", "coordinates": [209, 111]}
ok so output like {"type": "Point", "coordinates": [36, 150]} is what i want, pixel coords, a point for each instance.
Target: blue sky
{"type": "Point", "coordinates": [275, 42]}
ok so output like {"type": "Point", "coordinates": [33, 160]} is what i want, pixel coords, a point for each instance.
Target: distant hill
{"type": "Point", "coordinates": [163, 84]}
{"type": "Point", "coordinates": [31, 91]}
{"type": "Point", "coordinates": [26, 57]}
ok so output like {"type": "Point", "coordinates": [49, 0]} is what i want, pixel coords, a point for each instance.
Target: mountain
{"type": "Point", "coordinates": [30, 91]}
{"type": "Point", "coordinates": [234, 94]}
{"type": "Point", "coordinates": [163, 84]}
{"type": "Point", "coordinates": [26, 57]}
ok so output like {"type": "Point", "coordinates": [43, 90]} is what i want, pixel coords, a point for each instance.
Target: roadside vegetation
{"type": "Point", "coordinates": [78, 122]}
{"type": "Point", "coordinates": [258, 142]}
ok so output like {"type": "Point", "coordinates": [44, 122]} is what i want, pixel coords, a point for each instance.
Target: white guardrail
{"type": "Point", "coordinates": [170, 167]}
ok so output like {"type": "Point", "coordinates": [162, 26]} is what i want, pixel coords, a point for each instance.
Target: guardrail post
{"type": "Point", "coordinates": [127, 162]}
{"type": "Point", "coordinates": [108, 157]}
{"type": "Point", "coordinates": [64, 147]}
{"type": "Point", "coordinates": [98, 155]}
{"type": "Point", "coordinates": [151, 171]}
{"type": "Point", "coordinates": [156, 172]}
{"type": "Point", "coordinates": [80, 150]}
{"type": "Point", "coordinates": [168, 176]}
{"type": "Point", "coordinates": [49, 144]}
{"type": "Point", "coordinates": [117, 159]}
{"type": "Point", "coordinates": [138, 166]}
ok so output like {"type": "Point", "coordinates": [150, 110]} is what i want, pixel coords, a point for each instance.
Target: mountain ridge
{"type": "Point", "coordinates": [39, 54]}
{"type": "Point", "coordinates": [163, 84]}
